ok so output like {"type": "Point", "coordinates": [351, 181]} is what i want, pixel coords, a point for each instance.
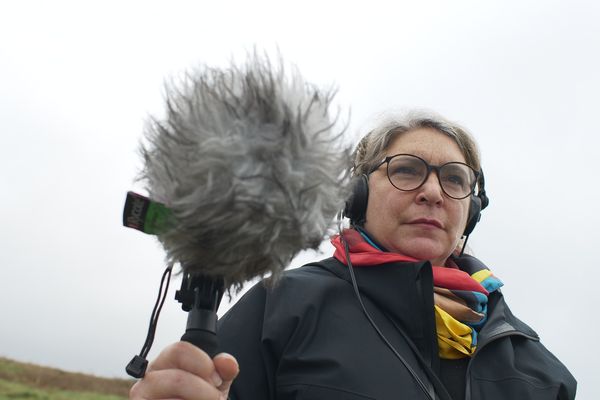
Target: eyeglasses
{"type": "Point", "coordinates": [407, 172]}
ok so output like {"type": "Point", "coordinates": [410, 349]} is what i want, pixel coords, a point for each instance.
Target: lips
{"type": "Point", "coordinates": [426, 221]}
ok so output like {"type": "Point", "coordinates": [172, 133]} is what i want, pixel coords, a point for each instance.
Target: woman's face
{"type": "Point", "coordinates": [423, 223]}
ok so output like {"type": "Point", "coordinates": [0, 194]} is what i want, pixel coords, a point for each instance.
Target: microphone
{"type": "Point", "coordinates": [252, 169]}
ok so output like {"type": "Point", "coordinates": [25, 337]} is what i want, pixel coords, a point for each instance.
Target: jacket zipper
{"type": "Point", "coordinates": [490, 340]}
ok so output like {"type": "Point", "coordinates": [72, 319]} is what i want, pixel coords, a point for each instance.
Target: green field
{"type": "Point", "coordinates": [32, 382]}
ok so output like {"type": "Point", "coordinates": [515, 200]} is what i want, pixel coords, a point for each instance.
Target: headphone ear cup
{"type": "Point", "coordinates": [356, 204]}
{"type": "Point", "coordinates": [484, 199]}
{"type": "Point", "coordinates": [474, 214]}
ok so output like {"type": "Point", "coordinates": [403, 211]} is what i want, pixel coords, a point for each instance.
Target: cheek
{"type": "Point", "coordinates": [375, 204]}
{"type": "Point", "coordinates": [386, 203]}
{"type": "Point", "coordinates": [462, 215]}
{"type": "Point", "coordinates": [381, 207]}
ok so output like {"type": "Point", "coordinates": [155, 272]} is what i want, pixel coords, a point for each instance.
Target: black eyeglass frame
{"type": "Point", "coordinates": [430, 168]}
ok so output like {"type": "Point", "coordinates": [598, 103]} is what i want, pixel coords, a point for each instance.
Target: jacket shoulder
{"type": "Point", "coordinates": [269, 318]}
{"type": "Point", "coordinates": [529, 369]}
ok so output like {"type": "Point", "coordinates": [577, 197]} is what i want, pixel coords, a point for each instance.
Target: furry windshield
{"type": "Point", "coordinates": [252, 165]}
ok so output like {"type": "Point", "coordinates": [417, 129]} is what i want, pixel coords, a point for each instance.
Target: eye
{"type": "Point", "coordinates": [455, 180]}
{"type": "Point", "coordinates": [403, 170]}
{"type": "Point", "coordinates": [456, 175]}
{"type": "Point", "coordinates": [406, 167]}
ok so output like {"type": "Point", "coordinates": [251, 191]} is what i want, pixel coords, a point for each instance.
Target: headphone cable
{"type": "Point", "coordinates": [430, 393]}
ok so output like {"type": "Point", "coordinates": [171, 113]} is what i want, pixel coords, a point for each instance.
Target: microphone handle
{"type": "Point", "coordinates": [201, 330]}
{"type": "Point", "coordinates": [200, 296]}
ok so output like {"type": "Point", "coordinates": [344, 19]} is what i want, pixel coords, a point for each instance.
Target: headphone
{"type": "Point", "coordinates": [356, 204]}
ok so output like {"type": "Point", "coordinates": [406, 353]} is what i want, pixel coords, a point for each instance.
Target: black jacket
{"type": "Point", "coordinates": [308, 338]}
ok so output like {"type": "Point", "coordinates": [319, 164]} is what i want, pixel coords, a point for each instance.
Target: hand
{"type": "Point", "coordinates": [183, 371]}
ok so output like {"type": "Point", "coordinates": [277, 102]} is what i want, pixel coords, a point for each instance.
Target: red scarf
{"type": "Point", "coordinates": [362, 254]}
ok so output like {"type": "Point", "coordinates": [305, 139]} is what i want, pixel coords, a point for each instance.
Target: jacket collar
{"type": "Point", "coordinates": [393, 287]}
{"type": "Point", "coordinates": [404, 291]}
{"type": "Point", "coordinates": [502, 322]}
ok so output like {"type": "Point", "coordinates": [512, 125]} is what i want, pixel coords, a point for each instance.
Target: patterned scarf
{"type": "Point", "coordinates": [460, 297]}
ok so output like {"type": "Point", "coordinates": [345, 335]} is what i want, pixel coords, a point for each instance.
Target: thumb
{"type": "Point", "coordinates": [227, 368]}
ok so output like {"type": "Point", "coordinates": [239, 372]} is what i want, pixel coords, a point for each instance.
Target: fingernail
{"type": "Point", "coordinates": [216, 378]}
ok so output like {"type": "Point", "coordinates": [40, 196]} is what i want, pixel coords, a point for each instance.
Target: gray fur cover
{"type": "Point", "coordinates": [252, 166]}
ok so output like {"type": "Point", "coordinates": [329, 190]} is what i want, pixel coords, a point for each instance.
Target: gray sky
{"type": "Point", "coordinates": [78, 79]}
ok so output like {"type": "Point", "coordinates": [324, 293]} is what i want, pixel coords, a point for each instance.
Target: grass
{"type": "Point", "coordinates": [22, 381]}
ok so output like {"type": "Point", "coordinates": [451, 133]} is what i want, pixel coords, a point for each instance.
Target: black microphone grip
{"type": "Point", "coordinates": [201, 330]}
{"type": "Point", "coordinates": [200, 296]}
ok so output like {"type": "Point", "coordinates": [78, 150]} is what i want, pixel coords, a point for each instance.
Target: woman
{"type": "Point", "coordinates": [398, 312]}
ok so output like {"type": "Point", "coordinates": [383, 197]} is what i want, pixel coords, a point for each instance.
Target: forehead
{"type": "Point", "coordinates": [433, 146]}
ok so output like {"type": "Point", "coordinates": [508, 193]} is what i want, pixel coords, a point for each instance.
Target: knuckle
{"type": "Point", "coordinates": [177, 379]}
{"type": "Point", "coordinates": [178, 349]}
{"type": "Point", "coordinates": [134, 391]}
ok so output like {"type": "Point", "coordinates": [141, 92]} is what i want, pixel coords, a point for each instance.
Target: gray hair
{"type": "Point", "coordinates": [370, 150]}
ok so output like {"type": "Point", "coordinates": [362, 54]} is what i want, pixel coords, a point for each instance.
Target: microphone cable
{"type": "Point", "coordinates": [137, 366]}
{"type": "Point", "coordinates": [430, 393]}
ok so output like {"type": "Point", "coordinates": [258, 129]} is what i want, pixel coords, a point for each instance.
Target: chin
{"type": "Point", "coordinates": [423, 249]}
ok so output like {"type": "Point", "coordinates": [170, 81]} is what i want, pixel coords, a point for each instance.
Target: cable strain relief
{"type": "Point", "coordinates": [137, 367]}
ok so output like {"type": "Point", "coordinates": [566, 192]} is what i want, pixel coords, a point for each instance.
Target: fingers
{"type": "Point", "coordinates": [187, 357]}
{"type": "Point", "coordinates": [173, 384]}
{"type": "Point", "coordinates": [227, 367]}
{"type": "Point", "coordinates": [183, 371]}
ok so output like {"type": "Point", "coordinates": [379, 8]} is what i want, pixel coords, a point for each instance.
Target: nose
{"type": "Point", "coordinates": [431, 191]}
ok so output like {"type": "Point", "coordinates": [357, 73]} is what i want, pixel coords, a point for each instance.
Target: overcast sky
{"type": "Point", "coordinates": [78, 79]}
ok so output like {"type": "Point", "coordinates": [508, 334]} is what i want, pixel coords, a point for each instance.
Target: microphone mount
{"type": "Point", "coordinates": [200, 297]}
